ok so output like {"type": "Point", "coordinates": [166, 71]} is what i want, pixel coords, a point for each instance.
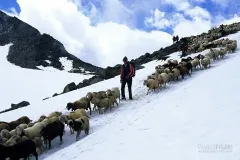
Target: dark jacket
{"type": "Point", "coordinates": [126, 72]}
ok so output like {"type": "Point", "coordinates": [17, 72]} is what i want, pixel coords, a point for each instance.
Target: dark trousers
{"type": "Point", "coordinates": [129, 84]}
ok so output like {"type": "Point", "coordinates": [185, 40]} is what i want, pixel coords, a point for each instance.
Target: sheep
{"type": "Point", "coordinates": [176, 73]}
{"type": "Point", "coordinates": [4, 126]}
{"type": "Point", "coordinates": [232, 47]}
{"type": "Point", "coordinates": [13, 140]}
{"type": "Point", "coordinates": [39, 144]}
{"type": "Point", "coordinates": [13, 124]}
{"type": "Point", "coordinates": [223, 52]}
{"type": "Point", "coordinates": [102, 103]}
{"type": "Point", "coordinates": [5, 134]}
{"type": "Point", "coordinates": [183, 71]}
{"type": "Point", "coordinates": [170, 76]}
{"type": "Point", "coordinates": [64, 119]}
{"type": "Point", "coordinates": [54, 114]}
{"type": "Point", "coordinates": [112, 99]}
{"type": "Point", "coordinates": [162, 79]}
{"type": "Point", "coordinates": [33, 131]}
{"type": "Point", "coordinates": [214, 54]}
{"type": "Point", "coordinates": [76, 114]}
{"type": "Point", "coordinates": [167, 70]}
{"type": "Point", "coordinates": [205, 62]}
{"type": "Point", "coordinates": [51, 131]}
{"type": "Point", "coordinates": [115, 92]}
{"type": "Point", "coordinates": [152, 84]}
{"type": "Point", "coordinates": [82, 103]}
{"type": "Point", "coordinates": [80, 124]}
{"type": "Point", "coordinates": [195, 63]}
{"type": "Point", "coordinates": [18, 151]}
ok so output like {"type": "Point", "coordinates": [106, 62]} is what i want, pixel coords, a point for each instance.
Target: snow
{"type": "Point", "coordinates": [173, 123]}
{"type": "Point", "coordinates": [19, 84]}
{"type": "Point", "coordinates": [48, 61]}
{"type": "Point", "coordinates": [67, 64]}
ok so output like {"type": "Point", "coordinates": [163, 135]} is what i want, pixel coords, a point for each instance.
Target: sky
{"type": "Point", "coordinates": [102, 32]}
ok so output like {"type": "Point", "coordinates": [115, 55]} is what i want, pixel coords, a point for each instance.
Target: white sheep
{"type": "Point", "coordinates": [195, 63]}
{"type": "Point", "coordinates": [102, 103]}
{"type": "Point", "coordinates": [223, 52]}
{"type": "Point", "coordinates": [205, 62]}
{"type": "Point", "coordinates": [115, 92]}
{"type": "Point", "coordinates": [76, 114]}
{"type": "Point", "coordinates": [167, 70]}
{"type": "Point", "coordinates": [152, 84]}
{"type": "Point", "coordinates": [33, 131]}
{"type": "Point", "coordinates": [163, 79]}
{"type": "Point", "coordinates": [176, 73]}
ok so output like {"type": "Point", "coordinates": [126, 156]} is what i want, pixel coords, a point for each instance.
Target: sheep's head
{"type": "Point", "coordinates": [70, 123]}
{"type": "Point", "coordinates": [89, 95]}
{"type": "Point", "coordinates": [156, 67]}
{"type": "Point", "coordinates": [95, 100]}
{"type": "Point", "coordinates": [69, 106]}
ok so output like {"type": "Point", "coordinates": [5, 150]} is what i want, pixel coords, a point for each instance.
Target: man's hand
{"type": "Point", "coordinates": [120, 80]}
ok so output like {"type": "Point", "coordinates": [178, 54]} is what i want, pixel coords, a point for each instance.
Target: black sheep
{"type": "Point", "coordinates": [189, 66]}
{"type": "Point", "coordinates": [51, 131]}
{"type": "Point", "coordinates": [17, 151]}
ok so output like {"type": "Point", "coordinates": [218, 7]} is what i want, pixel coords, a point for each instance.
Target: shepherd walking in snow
{"type": "Point", "coordinates": [126, 74]}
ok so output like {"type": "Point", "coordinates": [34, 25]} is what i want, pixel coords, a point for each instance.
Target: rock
{"type": "Point", "coordinates": [55, 94]}
{"type": "Point", "coordinates": [20, 105]}
{"type": "Point", "coordinates": [70, 87]}
{"type": "Point", "coordinates": [48, 97]}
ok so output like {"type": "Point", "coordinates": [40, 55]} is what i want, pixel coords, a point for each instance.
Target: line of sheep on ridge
{"type": "Point", "coordinates": [171, 70]}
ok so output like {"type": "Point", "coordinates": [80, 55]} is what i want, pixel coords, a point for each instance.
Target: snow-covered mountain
{"type": "Point", "coordinates": [183, 121]}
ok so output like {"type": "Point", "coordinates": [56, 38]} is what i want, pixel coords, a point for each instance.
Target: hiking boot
{"type": "Point", "coordinates": [130, 98]}
{"type": "Point", "coordinates": [123, 98]}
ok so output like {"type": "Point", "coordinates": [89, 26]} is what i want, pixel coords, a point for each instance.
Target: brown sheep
{"type": "Point", "coordinates": [183, 71]}
{"type": "Point", "coordinates": [83, 103]}
{"type": "Point", "coordinates": [13, 124]}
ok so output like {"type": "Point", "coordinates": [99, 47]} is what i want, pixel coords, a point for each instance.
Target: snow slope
{"type": "Point", "coordinates": [170, 124]}
{"type": "Point", "coordinates": [18, 84]}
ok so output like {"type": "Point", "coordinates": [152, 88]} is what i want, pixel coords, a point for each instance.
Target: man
{"type": "Point", "coordinates": [126, 74]}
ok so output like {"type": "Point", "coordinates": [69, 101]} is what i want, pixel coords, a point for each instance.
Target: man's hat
{"type": "Point", "coordinates": [125, 58]}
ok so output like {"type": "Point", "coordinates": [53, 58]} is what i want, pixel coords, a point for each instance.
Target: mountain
{"type": "Point", "coordinates": [32, 49]}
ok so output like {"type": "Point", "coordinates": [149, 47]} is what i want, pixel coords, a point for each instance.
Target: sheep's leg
{"type": "Point", "coordinates": [60, 139]}
{"type": "Point", "coordinates": [116, 102]}
{"type": "Point", "coordinates": [90, 110]}
{"type": "Point", "coordinates": [78, 134]}
{"type": "Point", "coordinates": [87, 131]}
{"type": "Point", "coordinates": [49, 144]}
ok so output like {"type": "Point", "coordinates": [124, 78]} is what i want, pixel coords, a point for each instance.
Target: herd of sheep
{"type": "Point", "coordinates": [22, 137]}
{"type": "Point", "coordinates": [171, 70]}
